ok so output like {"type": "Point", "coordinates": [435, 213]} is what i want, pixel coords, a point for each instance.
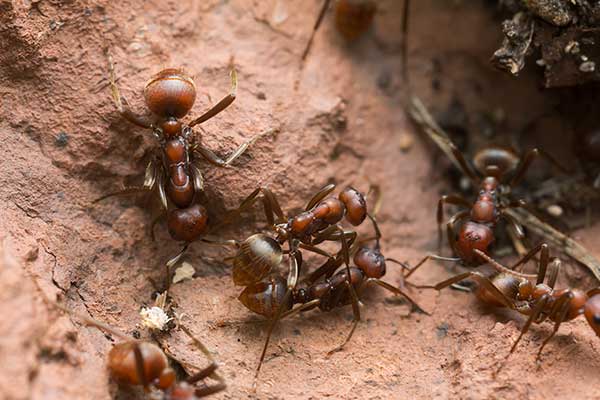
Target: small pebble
{"type": "Point", "coordinates": [62, 139]}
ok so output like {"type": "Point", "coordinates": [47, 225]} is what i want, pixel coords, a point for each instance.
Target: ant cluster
{"type": "Point", "coordinates": [327, 222]}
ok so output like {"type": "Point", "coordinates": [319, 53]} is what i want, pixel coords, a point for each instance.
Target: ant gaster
{"type": "Point", "coordinates": [175, 172]}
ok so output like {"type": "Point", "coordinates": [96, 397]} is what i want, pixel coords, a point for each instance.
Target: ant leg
{"type": "Point", "coordinates": [208, 390]}
{"type": "Point", "coordinates": [304, 307]}
{"type": "Point", "coordinates": [139, 367]}
{"type": "Point", "coordinates": [429, 257]}
{"type": "Point", "coordinates": [88, 321]}
{"type": "Point", "coordinates": [396, 291]}
{"type": "Point", "coordinates": [197, 177]}
{"type": "Point", "coordinates": [326, 269]}
{"type": "Point", "coordinates": [272, 207]}
{"type": "Point", "coordinates": [150, 178]}
{"type": "Point", "coordinates": [320, 195]}
{"type": "Point", "coordinates": [121, 102]}
{"type": "Point", "coordinates": [450, 227]}
{"type": "Point", "coordinates": [593, 292]}
{"type": "Point", "coordinates": [221, 105]}
{"type": "Point", "coordinates": [517, 234]}
{"type": "Point", "coordinates": [291, 284]}
{"type": "Point", "coordinates": [356, 319]}
{"type": "Point", "coordinates": [162, 194]}
{"type": "Point", "coordinates": [554, 271]}
{"type": "Point", "coordinates": [481, 279]}
{"type": "Point", "coordinates": [316, 250]}
{"type": "Point", "coordinates": [315, 28]}
{"type": "Point", "coordinates": [448, 199]}
{"type": "Point", "coordinates": [501, 268]}
{"type": "Point", "coordinates": [526, 161]}
{"type": "Point", "coordinates": [544, 251]}
{"type": "Point", "coordinates": [214, 159]}
{"type": "Point", "coordinates": [535, 313]}
{"type": "Point", "coordinates": [558, 314]}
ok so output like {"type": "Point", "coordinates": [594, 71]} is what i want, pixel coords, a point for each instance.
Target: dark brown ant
{"type": "Point", "coordinates": [510, 289]}
{"type": "Point", "coordinates": [175, 173]}
{"type": "Point", "coordinates": [352, 19]}
{"type": "Point", "coordinates": [325, 288]}
{"type": "Point", "coordinates": [497, 170]}
{"type": "Point", "coordinates": [141, 363]}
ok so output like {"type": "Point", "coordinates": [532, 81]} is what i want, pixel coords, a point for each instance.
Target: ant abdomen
{"type": "Point", "coordinates": [170, 93]}
{"type": "Point", "coordinates": [122, 363]}
{"type": "Point", "coordinates": [356, 206]}
{"type": "Point", "coordinates": [265, 298]}
{"type": "Point", "coordinates": [371, 262]}
{"type": "Point", "coordinates": [354, 17]}
{"type": "Point", "coordinates": [187, 224]}
{"type": "Point", "coordinates": [257, 257]}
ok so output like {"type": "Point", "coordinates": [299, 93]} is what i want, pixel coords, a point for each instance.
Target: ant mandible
{"type": "Point", "coordinates": [511, 289]}
{"type": "Point", "coordinates": [136, 362]}
{"type": "Point", "coordinates": [175, 172]}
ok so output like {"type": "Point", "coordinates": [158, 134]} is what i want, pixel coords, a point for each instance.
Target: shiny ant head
{"type": "Point", "coordinates": [591, 310]}
{"type": "Point", "coordinates": [257, 257]}
{"type": "Point", "coordinates": [495, 161]}
{"type": "Point", "coordinates": [473, 236]}
{"type": "Point", "coordinates": [265, 298]}
{"type": "Point", "coordinates": [371, 262]}
{"type": "Point", "coordinates": [155, 365]}
{"type": "Point", "coordinates": [170, 93]}
{"type": "Point", "coordinates": [356, 205]}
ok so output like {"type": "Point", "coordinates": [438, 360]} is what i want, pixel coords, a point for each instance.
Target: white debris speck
{"type": "Point", "coordinates": [186, 271]}
{"type": "Point", "coordinates": [588, 66]}
{"type": "Point", "coordinates": [154, 318]}
{"type": "Point", "coordinates": [555, 210]}
{"type": "Point", "coordinates": [572, 47]}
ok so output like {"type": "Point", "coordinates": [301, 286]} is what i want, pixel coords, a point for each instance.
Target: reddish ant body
{"type": "Point", "coordinates": [325, 288]}
{"type": "Point", "coordinates": [352, 19]}
{"type": "Point", "coordinates": [493, 166]}
{"type": "Point", "coordinates": [140, 363]}
{"type": "Point", "coordinates": [539, 302]}
{"type": "Point", "coordinates": [175, 172]}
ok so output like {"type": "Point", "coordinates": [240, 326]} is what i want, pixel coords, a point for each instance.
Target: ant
{"type": "Point", "coordinates": [325, 288]}
{"type": "Point", "coordinates": [496, 171]}
{"type": "Point", "coordinates": [352, 19]}
{"type": "Point", "coordinates": [175, 171]}
{"type": "Point", "coordinates": [511, 289]}
{"type": "Point", "coordinates": [136, 362]}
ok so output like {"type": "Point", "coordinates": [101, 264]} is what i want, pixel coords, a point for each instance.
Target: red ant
{"type": "Point", "coordinates": [539, 302]}
{"type": "Point", "coordinates": [136, 362]}
{"type": "Point", "coordinates": [258, 255]}
{"type": "Point", "coordinates": [492, 167]}
{"type": "Point", "coordinates": [175, 173]}
{"type": "Point", "coordinates": [352, 19]}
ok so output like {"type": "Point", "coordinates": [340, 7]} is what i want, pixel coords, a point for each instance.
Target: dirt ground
{"type": "Point", "coordinates": [340, 120]}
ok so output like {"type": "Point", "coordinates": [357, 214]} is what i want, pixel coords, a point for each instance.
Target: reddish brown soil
{"type": "Point", "coordinates": [64, 145]}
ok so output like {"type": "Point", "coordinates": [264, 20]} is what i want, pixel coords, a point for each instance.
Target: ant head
{"type": "Point", "coordinates": [265, 298]}
{"type": "Point", "coordinates": [473, 236]}
{"type": "Point", "coordinates": [257, 257]}
{"type": "Point", "coordinates": [495, 161]}
{"type": "Point", "coordinates": [592, 312]}
{"type": "Point", "coordinates": [122, 362]}
{"type": "Point", "coordinates": [356, 205]}
{"type": "Point", "coordinates": [170, 93]}
{"type": "Point", "coordinates": [371, 262]}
